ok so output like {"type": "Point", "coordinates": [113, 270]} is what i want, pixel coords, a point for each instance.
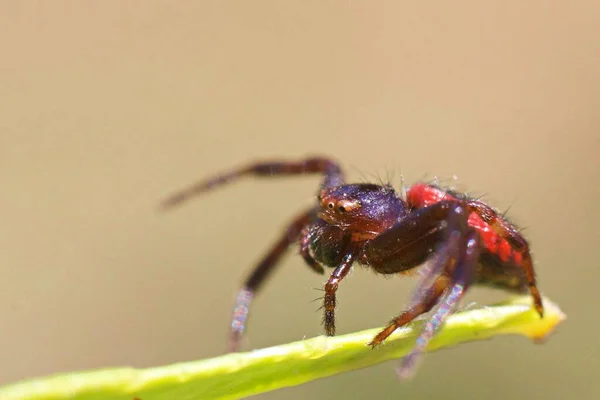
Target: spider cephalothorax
{"type": "Point", "coordinates": [363, 210]}
{"type": "Point", "coordinates": [463, 240]}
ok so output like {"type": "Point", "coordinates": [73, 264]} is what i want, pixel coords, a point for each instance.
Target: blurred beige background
{"type": "Point", "coordinates": [106, 107]}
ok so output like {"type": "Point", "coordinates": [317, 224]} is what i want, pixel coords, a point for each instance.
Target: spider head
{"type": "Point", "coordinates": [364, 209]}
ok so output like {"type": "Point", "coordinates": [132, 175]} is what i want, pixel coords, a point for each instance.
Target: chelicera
{"type": "Point", "coordinates": [457, 241]}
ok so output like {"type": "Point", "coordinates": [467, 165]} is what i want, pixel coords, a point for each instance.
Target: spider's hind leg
{"type": "Point", "coordinates": [462, 276]}
{"type": "Point", "coordinates": [511, 234]}
{"type": "Point", "coordinates": [425, 299]}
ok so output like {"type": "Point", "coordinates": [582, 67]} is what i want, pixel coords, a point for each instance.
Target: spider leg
{"type": "Point", "coordinates": [429, 271]}
{"type": "Point", "coordinates": [407, 243]}
{"type": "Point", "coordinates": [331, 288]}
{"type": "Point", "coordinates": [427, 298]}
{"type": "Point", "coordinates": [259, 275]}
{"type": "Point", "coordinates": [330, 169]}
{"type": "Point", "coordinates": [516, 240]}
{"type": "Point", "coordinates": [463, 275]}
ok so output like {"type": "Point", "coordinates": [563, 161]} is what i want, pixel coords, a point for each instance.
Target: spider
{"type": "Point", "coordinates": [457, 241]}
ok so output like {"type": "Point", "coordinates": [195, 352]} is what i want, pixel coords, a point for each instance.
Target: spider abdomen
{"type": "Point", "coordinates": [424, 195]}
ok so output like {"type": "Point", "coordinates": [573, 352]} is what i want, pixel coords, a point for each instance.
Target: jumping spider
{"type": "Point", "coordinates": [461, 240]}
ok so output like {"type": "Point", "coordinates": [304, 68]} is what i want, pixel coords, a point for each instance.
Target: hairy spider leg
{"type": "Point", "coordinates": [508, 232]}
{"type": "Point", "coordinates": [333, 176]}
{"type": "Point", "coordinates": [259, 275]}
{"type": "Point", "coordinates": [331, 287]}
{"type": "Point", "coordinates": [450, 214]}
{"type": "Point", "coordinates": [462, 277]}
{"type": "Point", "coordinates": [330, 169]}
{"type": "Point", "coordinates": [428, 272]}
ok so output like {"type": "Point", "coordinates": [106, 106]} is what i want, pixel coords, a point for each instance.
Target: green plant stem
{"type": "Point", "coordinates": [235, 376]}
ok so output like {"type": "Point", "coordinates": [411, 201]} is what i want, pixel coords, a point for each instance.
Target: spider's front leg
{"type": "Point", "coordinates": [461, 279]}
{"type": "Point", "coordinates": [262, 271]}
{"type": "Point", "coordinates": [331, 288]}
{"type": "Point", "coordinates": [332, 176]}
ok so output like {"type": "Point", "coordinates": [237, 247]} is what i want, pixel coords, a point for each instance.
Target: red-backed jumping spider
{"type": "Point", "coordinates": [462, 241]}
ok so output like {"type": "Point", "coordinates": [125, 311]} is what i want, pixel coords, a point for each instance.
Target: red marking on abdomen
{"type": "Point", "coordinates": [422, 195]}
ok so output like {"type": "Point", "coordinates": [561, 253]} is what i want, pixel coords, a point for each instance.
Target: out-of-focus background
{"type": "Point", "coordinates": [107, 107]}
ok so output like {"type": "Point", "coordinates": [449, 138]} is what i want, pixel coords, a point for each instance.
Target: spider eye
{"type": "Point", "coordinates": [349, 206]}
{"type": "Point", "coordinates": [330, 205]}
